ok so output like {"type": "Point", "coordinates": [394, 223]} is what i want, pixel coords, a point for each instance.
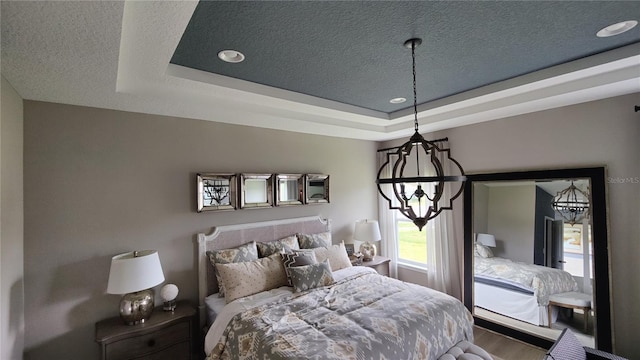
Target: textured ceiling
{"type": "Point", "coordinates": [352, 52]}
{"type": "Point", "coordinates": [326, 68]}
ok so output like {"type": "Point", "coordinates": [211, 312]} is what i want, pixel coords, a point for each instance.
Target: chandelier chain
{"type": "Point", "coordinates": [415, 93]}
{"type": "Point", "coordinates": [415, 103]}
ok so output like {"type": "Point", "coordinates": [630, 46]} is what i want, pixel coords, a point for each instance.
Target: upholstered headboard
{"type": "Point", "coordinates": [230, 236]}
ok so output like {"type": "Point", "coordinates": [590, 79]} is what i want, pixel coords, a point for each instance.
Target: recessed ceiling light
{"type": "Point", "coordinates": [616, 29]}
{"type": "Point", "coordinates": [397, 100]}
{"type": "Point", "coordinates": [231, 56]}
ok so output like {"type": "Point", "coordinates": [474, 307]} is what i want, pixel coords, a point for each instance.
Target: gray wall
{"type": "Point", "coordinates": [101, 182]}
{"type": "Point", "coordinates": [511, 219]}
{"type": "Point", "coordinates": [11, 224]}
{"type": "Point", "coordinates": [480, 207]}
{"type": "Point", "coordinates": [597, 133]}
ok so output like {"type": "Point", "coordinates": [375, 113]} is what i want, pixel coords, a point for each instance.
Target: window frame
{"type": "Point", "coordinates": [407, 263]}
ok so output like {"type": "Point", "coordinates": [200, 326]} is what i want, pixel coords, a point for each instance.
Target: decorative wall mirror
{"type": "Point", "coordinates": [511, 215]}
{"type": "Point", "coordinates": [317, 188]}
{"type": "Point", "coordinates": [289, 189]}
{"type": "Point", "coordinates": [216, 192]}
{"type": "Point", "coordinates": [256, 191]}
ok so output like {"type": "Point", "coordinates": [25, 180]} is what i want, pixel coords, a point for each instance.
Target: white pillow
{"type": "Point", "coordinates": [336, 254]}
{"type": "Point", "coordinates": [483, 251]}
{"type": "Point", "coordinates": [251, 277]}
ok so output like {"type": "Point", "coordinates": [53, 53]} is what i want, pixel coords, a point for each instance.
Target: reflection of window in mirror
{"type": "Point", "coordinates": [289, 189]}
{"type": "Point", "coordinates": [256, 191]}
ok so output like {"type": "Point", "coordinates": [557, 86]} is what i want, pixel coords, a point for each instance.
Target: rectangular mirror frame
{"type": "Point", "coordinates": [204, 178]}
{"type": "Point", "coordinates": [599, 230]}
{"type": "Point", "coordinates": [300, 181]}
{"type": "Point", "coordinates": [309, 197]}
{"type": "Point", "coordinates": [269, 191]}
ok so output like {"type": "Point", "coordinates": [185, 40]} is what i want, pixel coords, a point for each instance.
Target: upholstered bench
{"type": "Point", "coordinates": [572, 300]}
{"type": "Point", "coordinates": [465, 350]}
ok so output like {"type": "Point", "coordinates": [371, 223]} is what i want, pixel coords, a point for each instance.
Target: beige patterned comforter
{"type": "Point", "coordinates": [365, 316]}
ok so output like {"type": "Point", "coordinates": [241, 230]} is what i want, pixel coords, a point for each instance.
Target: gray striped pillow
{"type": "Point", "coordinates": [297, 259]}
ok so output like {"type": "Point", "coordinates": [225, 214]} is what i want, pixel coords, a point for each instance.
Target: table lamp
{"type": "Point", "coordinates": [367, 231]}
{"type": "Point", "coordinates": [486, 240]}
{"type": "Point", "coordinates": [134, 274]}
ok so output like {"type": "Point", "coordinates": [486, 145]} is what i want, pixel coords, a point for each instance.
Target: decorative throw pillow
{"type": "Point", "coordinates": [337, 255]}
{"type": "Point", "coordinates": [311, 276]}
{"type": "Point", "coordinates": [483, 251]}
{"type": "Point", "coordinates": [274, 247]}
{"type": "Point", "coordinates": [295, 259]}
{"type": "Point", "coordinates": [246, 252]}
{"type": "Point", "coordinates": [251, 277]}
{"type": "Point", "coordinates": [311, 241]}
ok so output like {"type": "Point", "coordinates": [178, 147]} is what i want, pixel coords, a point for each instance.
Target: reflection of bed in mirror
{"type": "Point", "coordinates": [518, 290]}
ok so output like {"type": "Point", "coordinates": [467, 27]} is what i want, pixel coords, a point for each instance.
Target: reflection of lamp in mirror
{"type": "Point", "coordinates": [367, 231]}
{"type": "Point", "coordinates": [486, 240]}
{"type": "Point", "coordinates": [572, 204]}
{"type": "Point", "coordinates": [134, 274]}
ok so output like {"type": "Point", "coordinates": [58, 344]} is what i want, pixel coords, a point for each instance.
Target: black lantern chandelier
{"type": "Point", "coordinates": [419, 193]}
{"type": "Point", "coordinates": [572, 204]}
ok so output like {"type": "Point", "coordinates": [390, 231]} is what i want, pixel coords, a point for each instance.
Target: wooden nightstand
{"type": "Point", "coordinates": [379, 264]}
{"type": "Point", "coordinates": [166, 335]}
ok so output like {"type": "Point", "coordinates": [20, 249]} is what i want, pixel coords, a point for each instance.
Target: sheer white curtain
{"type": "Point", "coordinates": [387, 221]}
{"type": "Point", "coordinates": [443, 260]}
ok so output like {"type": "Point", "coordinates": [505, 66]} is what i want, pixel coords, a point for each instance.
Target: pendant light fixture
{"type": "Point", "coordinates": [418, 192]}
{"type": "Point", "coordinates": [572, 204]}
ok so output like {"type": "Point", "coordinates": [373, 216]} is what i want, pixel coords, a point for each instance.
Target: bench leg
{"type": "Point", "coordinates": [586, 319]}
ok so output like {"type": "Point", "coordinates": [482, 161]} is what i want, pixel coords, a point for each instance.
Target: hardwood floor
{"type": "Point", "coordinates": [505, 347]}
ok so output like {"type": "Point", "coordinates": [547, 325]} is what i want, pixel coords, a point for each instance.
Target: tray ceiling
{"type": "Point", "coordinates": [326, 68]}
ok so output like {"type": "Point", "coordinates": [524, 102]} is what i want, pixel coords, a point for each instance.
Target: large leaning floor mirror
{"type": "Point", "coordinates": [536, 254]}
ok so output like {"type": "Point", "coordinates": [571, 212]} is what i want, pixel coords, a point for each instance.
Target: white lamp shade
{"type": "Point", "coordinates": [486, 240]}
{"type": "Point", "coordinates": [130, 273]}
{"type": "Point", "coordinates": [367, 230]}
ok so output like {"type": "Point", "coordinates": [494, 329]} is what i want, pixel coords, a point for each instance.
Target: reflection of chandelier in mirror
{"type": "Point", "coordinates": [216, 190]}
{"type": "Point", "coordinates": [427, 196]}
{"type": "Point", "coordinates": [572, 203]}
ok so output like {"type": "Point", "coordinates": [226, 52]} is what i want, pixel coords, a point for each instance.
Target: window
{"type": "Point", "coordinates": [577, 252]}
{"type": "Point", "coordinates": [412, 243]}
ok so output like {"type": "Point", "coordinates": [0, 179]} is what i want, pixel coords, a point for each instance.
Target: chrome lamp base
{"type": "Point", "coordinates": [136, 307]}
{"type": "Point", "coordinates": [368, 251]}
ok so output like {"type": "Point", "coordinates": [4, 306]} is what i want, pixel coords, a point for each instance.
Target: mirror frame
{"type": "Point", "coordinates": [269, 190]}
{"type": "Point", "coordinates": [203, 178]}
{"type": "Point", "coordinates": [316, 177]}
{"type": "Point", "coordinates": [597, 176]}
{"type": "Point", "coordinates": [299, 178]}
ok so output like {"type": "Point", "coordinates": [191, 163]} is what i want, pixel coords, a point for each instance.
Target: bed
{"type": "Point", "coordinates": [518, 290]}
{"type": "Point", "coordinates": [359, 315]}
